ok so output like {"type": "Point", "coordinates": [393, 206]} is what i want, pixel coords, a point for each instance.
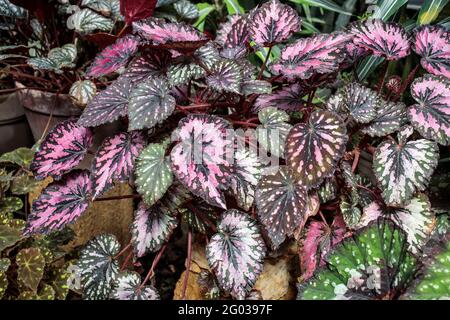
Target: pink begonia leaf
{"type": "Point", "coordinates": [63, 149]}
{"type": "Point", "coordinates": [108, 105]}
{"type": "Point", "coordinates": [128, 287]}
{"type": "Point", "coordinates": [383, 39]}
{"type": "Point", "coordinates": [134, 10]}
{"type": "Point", "coordinates": [272, 23]}
{"type": "Point", "coordinates": [432, 43]}
{"type": "Point", "coordinates": [353, 54]}
{"type": "Point", "coordinates": [431, 115]}
{"type": "Point", "coordinates": [287, 98]}
{"type": "Point", "coordinates": [153, 63]}
{"type": "Point", "coordinates": [281, 203]}
{"type": "Point", "coordinates": [202, 159]}
{"type": "Point", "coordinates": [226, 75]}
{"type": "Point", "coordinates": [114, 160]}
{"type": "Point", "coordinates": [233, 33]}
{"type": "Point", "coordinates": [314, 148]}
{"type": "Point", "coordinates": [236, 253]}
{"type": "Point", "coordinates": [320, 238]}
{"type": "Point", "coordinates": [321, 53]}
{"type": "Point", "coordinates": [60, 203]}
{"type": "Point", "coordinates": [113, 57]}
{"type": "Point", "coordinates": [151, 228]}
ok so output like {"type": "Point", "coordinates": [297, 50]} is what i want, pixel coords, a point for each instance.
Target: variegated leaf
{"type": "Point", "coordinates": [153, 173]}
{"type": "Point", "coordinates": [402, 169]}
{"type": "Point", "coordinates": [281, 203]}
{"type": "Point", "coordinates": [288, 98]}
{"type": "Point", "coordinates": [273, 22]}
{"type": "Point", "coordinates": [151, 64]}
{"type": "Point", "coordinates": [319, 54]}
{"type": "Point", "coordinates": [81, 92]}
{"type": "Point", "coordinates": [64, 56]}
{"type": "Point", "coordinates": [315, 147]}
{"type": "Point", "coordinates": [62, 149]}
{"type": "Point", "coordinates": [432, 43]}
{"type": "Point", "coordinates": [31, 265]}
{"type": "Point", "coordinates": [98, 267]}
{"type": "Point", "coordinates": [108, 105]}
{"type": "Point", "coordinates": [351, 213]}
{"type": "Point", "coordinates": [390, 117]}
{"type": "Point", "coordinates": [328, 190]}
{"type": "Point", "coordinates": [114, 160]}
{"type": "Point", "coordinates": [128, 287]}
{"type": "Point", "coordinates": [87, 21]}
{"type": "Point", "coordinates": [273, 131]}
{"type": "Point", "coordinates": [61, 203]}
{"type": "Point", "coordinates": [152, 226]}
{"type": "Point", "coordinates": [360, 102]}
{"type": "Point", "coordinates": [150, 104]}
{"type": "Point", "coordinates": [384, 39]}
{"type": "Point", "coordinates": [431, 115]}
{"type": "Point", "coordinates": [236, 253]}
{"type": "Point", "coordinates": [233, 33]}
{"type": "Point", "coordinates": [256, 87]}
{"type": "Point", "coordinates": [226, 75]}
{"type": "Point", "coordinates": [202, 158]}
{"type": "Point", "coordinates": [208, 54]}
{"type": "Point", "coordinates": [9, 9]}
{"type": "Point", "coordinates": [179, 74]}
{"type": "Point", "coordinates": [186, 9]}
{"type": "Point", "coordinates": [43, 63]}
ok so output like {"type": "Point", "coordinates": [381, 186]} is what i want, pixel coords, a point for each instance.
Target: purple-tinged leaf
{"type": "Point", "coordinates": [182, 73]}
{"type": "Point", "coordinates": [114, 160]}
{"type": "Point", "coordinates": [208, 54]}
{"type": "Point", "coordinates": [402, 169]}
{"type": "Point", "coordinates": [390, 117]}
{"type": "Point", "coordinates": [153, 173]}
{"type": "Point", "coordinates": [202, 158]}
{"type": "Point", "coordinates": [383, 39]}
{"type": "Point", "coordinates": [321, 53]}
{"type": "Point", "coordinates": [431, 115]}
{"type": "Point", "coordinates": [224, 29]}
{"type": "Point", "coordinates": [62, 150]}
{"type": "Point", "coordinates": [134, 10]}
{"type": "Point", "coordinates": [281, 203]}
{"type": "Point", "coordinates": [287, 98]}
{"type": "Point", "coordinates": [234, 32]}
{"type": "Point", "coordinates": [151, 64]}
{"type": "Point", "coordinates": [320, 237]}
{"type": "Point", "coordinates": [328, 190]}
{"type": "Point", "coordinates": [150, 104]}
{"type": "Point", "coordinates": [99, 267]}
{"type": "Point", "coordinates": [353, 54]}
{"type": "Point", "coordinates": [273, 131]}
{"type": "Point", "coordinates": [128, 287]}
{"type": "Point", "coordinates": [236, 253]}
{"type": "Point", "coordinates": [61, 203]}
{"type": "Point", "coordinates": [113, 57]}
{"type": "Point", "coordinates": [256, 87]}
{"type": "Point", "coordinates": [432, 43]}
{"type": "Point", "coordinates": [225, 76]}
{"type": "Point", "coordinates": [272, 23]}
{"type": "Point", "coordinates": [314, 148]}
{"type": "Point", "coordinates": [151, 228]}
{"type": "Point", "coordinates": [360, 102]}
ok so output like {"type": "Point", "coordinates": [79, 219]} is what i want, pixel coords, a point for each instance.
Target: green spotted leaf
{"type": "Point", "coordinates": [10, 205]}
{"type": "Point", "coordinates": [45, 293]}
{"type": "Point", "coordinates": [327, 190]}
{"type": "Point", "coordinates": [23, 184]}
{"type": "Point", "coordinates": [64, 56]}
{"type": "Point", "coordinates": [349, 208]}
{"type": "Point", "coordinates": [226, 75]}
{"type": "Point", "coordinates": [128, 287]}
{"type": "Point", "coordinates": [44, 63]}
{"type": "Point", "coordinates": [21, 156]}
{"type": "Point", "coordinates": [81, 92]}
{"type": "Point", "coordinates": [9, 236]}
{"type": "Point", "coordinates": [182, 73]}
{"type": "Point", "coordinates": [256, 87]}
{"type": "Point", "coordinates": [31, 265]}
{"type": "Point", "coordinates": [4, 265]}
{"type": "Point", "coordinates": [360, 102]}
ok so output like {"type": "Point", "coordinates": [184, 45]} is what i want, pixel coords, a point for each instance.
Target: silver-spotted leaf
{"type": "Point", "coordinates": [226, 75]}
{"type": "Point", "coordinates": [151, 64]}
{"type": "Point", "coordinates": [273, 131]}
{"type": "Point", "coordinates": [360, 102]}
{"type": "Point", "coordinates": [389, 118]}
{"type": "Point", "coordinates": [128, 287]}
{"type": "Point", "coordinates": [186, 9]}
{"type": "Point", "coordinates": [256, 87]}
{"type": "Point", "coordinates": [179, 74]}
{"type": "Point", "coordinates": [236, 253]}
{"type": "Point", "coordinates": [64, 56]}
{"type": "Point", "coordinates": [82, 91]}
{"type": "Point", "coordinates": [87, 21]}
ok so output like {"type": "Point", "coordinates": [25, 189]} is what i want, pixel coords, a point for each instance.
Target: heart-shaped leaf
{"type": "Point", "coordinates": [273, 131]}
{"type": "Point", "coordinates": [151, 228]}
{"type": "Point", "coordinates": [328, 190]}
{"type": "Point", "coordinates": [20, 156]}
{"type": "Point", "coordinates": [315, 147]}
{"type": "Point", "coordinates": [82, 91]}
{"type": "Point", "coordinates": [134, 10]}
{"type": "Point", "coordinates": [372, 264]}
{"type": "Point", "coordinates": [64, 56]}
{"type": "Point", "coordinates": [431, 115]}
{"type": "Point", "coordinates": [98, 267]}
{"type": "Point", "coordinates": [287, 98]}
{"type": "Point", "coordinates": [402, 169]}
{"type": "Point", "coordinates": [43, 63]}
{"type": "Point", "coordinates": [226, 75]}
{"type": "Point", "coordinates": [390, 117]}
{"type": "Point", "coordinates": [113, 57]}
{"type": "Point", "coordinates": [272, 23]}
{"type": "Point", "coordinates": [108, 105]}
{"type": "Point", "coordinates": [321, 53]}
{"type": "Point", "coordinates": [236, 253]}
{"type": "Point", "coordinates": [202, 159]}
{"type": "Point", "coordinates": [61, 203]}
{"type": "Point", "coordinates": [432, 44]}
{"type": "Point", "coordinates": [234, 33]}
{"type": "Point", "coordinates": [182, 73]}
{"type": "Point", "coordinates": [383, 39]}
{"type": "Point", "coordinates": [62, 149]}
{"type": "Point", "coordinates": [129, 288]}
{"type": "Point", "coordinates": [281, 203]}
{"type": "Point", "coordinates": [9, 236]}
{"type": "Point", "coordinates": [360, 102]}
{"type": "Point", "coordinates": [151, 64]}
{"type": "Point", "coordinates": [153, 173]}
{"type": "Point", "coordinates": [150, 104]}
{"type": "Point", "coordinates": [114, 160]}
{"type": "Point", "coordinates": [87, 21]}
{"type": "Point", "coordinates": [31, 265]}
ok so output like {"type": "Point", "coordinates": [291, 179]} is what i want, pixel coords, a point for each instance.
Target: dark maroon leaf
{"type": "Point", "coordinates": [134, 10]}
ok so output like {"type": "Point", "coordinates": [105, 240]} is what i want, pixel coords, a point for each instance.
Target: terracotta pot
{"type": "Point", "coordinates": [14, 129]}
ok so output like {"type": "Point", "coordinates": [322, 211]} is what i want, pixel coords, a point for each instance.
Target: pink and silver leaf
{"type": "Point", "coordinates": [108, 105]}
{"type": "Point", "coordinates": [114, 160]}
{"type": "Point", "coordinates": [282, 204]}
{"type": "Point", "coordinates": [225, 76]}
{"type": "Point", "coordinates": [236, 253]}
{"type": "Point", "coordinates": [63, 149]}
{"type": "Point", "coordinates": [360, 102]}
{"type": "Point", "coordinates": [128, 287]}
{"type": "Point", "coordinates": [202, 159]}
{"type": "Point", "coordinates": [234, 33]}
{"type": "Point", "coordinates": [60, 203]}
{"type": "Point", "coordinates": [431, 115]}
{"type": "Point", "coordinates": [288, 98]}
{"type": "Point", "coordinates": [383, 39]}
{"type": "Point", "coordinates": [113, 57]}
{"type": "Point", "coordinates": [272, 23]}
{"type": "Point", "coordinates": [151, 64]}
{"type": "Point", "coordinates": [432, 43]}
{"type": "Point", "coordinates": [150, 104]}
{"type": "Point", "coordinates": [314, 148]}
